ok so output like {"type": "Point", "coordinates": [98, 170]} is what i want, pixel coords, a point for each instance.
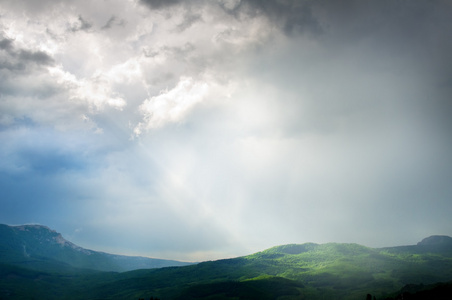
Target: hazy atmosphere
{"type": "Point", "coordinates": [198, 130]}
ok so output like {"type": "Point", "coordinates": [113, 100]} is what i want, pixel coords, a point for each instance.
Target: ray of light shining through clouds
{"type": "Point", "coordinates": [197, 130]}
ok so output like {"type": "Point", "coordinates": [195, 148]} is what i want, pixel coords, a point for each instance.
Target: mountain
{"type": "Point", "coordinates": [295, 271]}
{"type": "Point", "coordinates": [435, 240]}
{"type": "Point", "coordinates": [40, 248]}
{"type": "Point", "coordinates": [306, 271]}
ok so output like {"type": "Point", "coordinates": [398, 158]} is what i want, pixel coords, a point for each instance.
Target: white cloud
{"type": "Point", "coordinates": [95, 91]}
{"type": "Point", "coordinates": [174, 105]}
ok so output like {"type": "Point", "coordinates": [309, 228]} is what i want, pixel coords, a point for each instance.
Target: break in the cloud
{"type": "Point", "coordinates": [204, 129]}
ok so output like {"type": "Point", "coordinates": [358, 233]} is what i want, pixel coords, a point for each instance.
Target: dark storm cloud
{"type": "Point", "coordinates": [409, 41]}
{"type": "Point", "coordinates": [352, 19]}
{"type": "Point", "coordinates": [401, 35]}
{"type": "Point", "coordinates": [408, 26]}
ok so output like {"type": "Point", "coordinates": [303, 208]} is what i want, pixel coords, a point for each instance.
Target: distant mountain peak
{"type": "Point", "coordinates": [436, 240]}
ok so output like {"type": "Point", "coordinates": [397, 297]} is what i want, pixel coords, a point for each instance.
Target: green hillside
{"type": "Point", "coordinates": [307, 271]}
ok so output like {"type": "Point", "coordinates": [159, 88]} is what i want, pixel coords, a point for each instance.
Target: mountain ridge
{"type": "Point", "coordinates": [308, 271]}
{"type": "Point", "coordinates": [35, 246]}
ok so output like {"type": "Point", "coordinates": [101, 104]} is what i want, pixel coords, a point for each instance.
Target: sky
{"type": "Point", "coordinates": [198, 130]}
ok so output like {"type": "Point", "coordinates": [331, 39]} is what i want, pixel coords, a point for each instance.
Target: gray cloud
{"type": "Point", "coordinates": [189, 19]}
{"type": "Point", "coordinates": [81, 25]}
{"type": "Point", "coordinates": [6, 44]}
{"type": "Point", "coordinates": [15, 59]}
{"type": "Point", "coordinates": [113, 21]}
{"type": "Point", "coordinates": [37, 57]}
{"type": "Point", "coordinates": [372, 54]}
{"type": "Point", "coordinates": [158, 4]}
{"type": "Point", "coordinates": [17, 66]}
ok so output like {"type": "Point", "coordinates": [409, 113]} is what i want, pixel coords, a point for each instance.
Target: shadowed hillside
{"type": "Point", "coordinates": [38, 247]}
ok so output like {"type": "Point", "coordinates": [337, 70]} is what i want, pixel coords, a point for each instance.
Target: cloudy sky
{"type": "Point", "coordinates": [198, 130]}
